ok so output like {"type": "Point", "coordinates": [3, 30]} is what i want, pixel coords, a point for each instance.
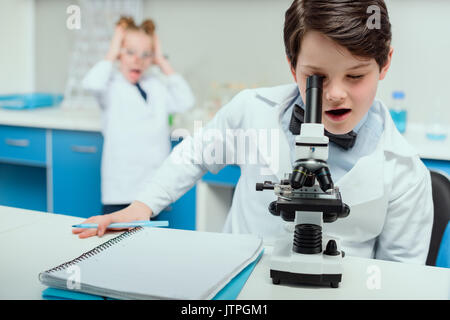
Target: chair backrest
{"type": "Point", "coordinates": [441, 200]}
{"type": "Point", "coordinates": [443, 258]}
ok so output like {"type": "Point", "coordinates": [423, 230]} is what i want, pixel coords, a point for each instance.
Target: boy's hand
{"type": "Point", "coordinates": [116, 43]}
{"type": "Point", "coordinates": [134, 212]}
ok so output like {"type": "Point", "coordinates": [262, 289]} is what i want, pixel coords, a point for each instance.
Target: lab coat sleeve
{"type": "Point", "coordinates": [97, 81]}
{"type": "Point", "coordinates": [205, 151]}
{"type": "Point", "coordinates": [407, 231]}
{"type": "Point", "coordinates": [179, 94]}
{"type": "Point", "coordinates": [98, 77]}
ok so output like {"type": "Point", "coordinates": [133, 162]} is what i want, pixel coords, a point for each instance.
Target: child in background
{"type": "Point", "coordinates": [379, 175]}
{"type": "Point", "coordinates": [135, 108]}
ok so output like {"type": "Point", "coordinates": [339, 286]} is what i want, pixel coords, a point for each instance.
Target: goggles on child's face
{"type": "Point", "coordinates": [133, 53]}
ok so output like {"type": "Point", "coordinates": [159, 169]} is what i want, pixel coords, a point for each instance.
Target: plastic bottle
{"type": "Point", "coordinates": [398, 110]}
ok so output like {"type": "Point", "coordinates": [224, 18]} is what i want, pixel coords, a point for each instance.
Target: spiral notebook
{"type": "Point", "coordinates": [154, 263]}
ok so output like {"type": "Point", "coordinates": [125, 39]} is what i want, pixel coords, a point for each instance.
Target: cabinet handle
{"type": "Point", "coordinates": [84, 149]}
{"type": "Point", "coordinates": [17, 142]}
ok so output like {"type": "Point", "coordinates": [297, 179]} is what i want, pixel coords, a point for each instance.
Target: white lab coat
{"type": "Point", "coordinates": [388, 191]}
{"type": "Point", "coordinates": [136, 133]}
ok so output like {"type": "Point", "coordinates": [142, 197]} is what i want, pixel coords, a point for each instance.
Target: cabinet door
{"type": "Point", "coordinates": [23, 178]}
{"type": "Point", "coordinates": [22, 145]}
{"type": "Point", "coordinates": [438, 165]}
{"type": "Point", "coordinates": [76, 158]}
{"type": "Point", "coordinates": [182, 213]}
{"type": "Point", "coordinates": [23, 186]}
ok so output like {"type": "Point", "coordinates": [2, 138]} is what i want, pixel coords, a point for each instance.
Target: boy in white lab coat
{"type": "Point", "coordinates": [379, 175]}
{"type": "Point", "coordinates": [135, 110]}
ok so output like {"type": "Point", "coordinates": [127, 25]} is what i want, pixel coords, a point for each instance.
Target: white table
{"type": "Point", "coordinates": [31, 242]}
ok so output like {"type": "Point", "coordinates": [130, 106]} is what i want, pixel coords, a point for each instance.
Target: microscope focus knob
{"type": "Point", "coordinates": [267, 185]}
{"type": "Point", "coordinates": [273, 208]}
{"type": "Point", "coordinates": [331, 249]}
{"type": "Point", "coordinates": [345, 211]}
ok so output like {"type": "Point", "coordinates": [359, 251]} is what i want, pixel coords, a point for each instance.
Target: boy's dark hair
{"type": "Point", "coordinates": [343, 21]}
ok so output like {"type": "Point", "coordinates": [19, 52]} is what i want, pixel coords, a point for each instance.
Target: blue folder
{"type": "Point", "coordinates": [229, 292]}
{"type": "Point", "coordinates": [29, 100]}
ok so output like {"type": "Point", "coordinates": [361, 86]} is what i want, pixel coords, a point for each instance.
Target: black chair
{"type": "Point", "coordinates": [440, 184]}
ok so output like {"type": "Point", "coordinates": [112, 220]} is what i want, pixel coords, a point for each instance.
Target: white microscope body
{"type": "Point", "coordinates": [306, 200]}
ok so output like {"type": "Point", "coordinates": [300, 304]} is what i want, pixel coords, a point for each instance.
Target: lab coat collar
{"type": "Point", "coordinates": [278, 95]}
{"type": "Point", "coordinates": [280, 98]}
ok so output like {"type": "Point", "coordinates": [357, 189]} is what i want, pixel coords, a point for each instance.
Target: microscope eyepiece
{"type": "Point", "coordinates": [313, 105]}
{"type": "Point", "coordinates": [314, 81]}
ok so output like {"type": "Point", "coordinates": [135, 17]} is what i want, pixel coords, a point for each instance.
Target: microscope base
{"type": "Point", "coordinates": [316, 269]}
{"type": "Point", "coordinates": [300, 278]}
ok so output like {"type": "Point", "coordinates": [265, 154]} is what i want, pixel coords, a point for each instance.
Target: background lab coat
{"type": "Point", "coordinates": [136, 132]}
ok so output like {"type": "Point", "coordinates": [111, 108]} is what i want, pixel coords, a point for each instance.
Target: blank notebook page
{"type": "Point", "coordinates": [163, 264]}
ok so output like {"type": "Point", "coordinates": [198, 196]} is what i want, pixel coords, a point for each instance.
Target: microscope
{"type": "Point", "coordinates": [306, 199]}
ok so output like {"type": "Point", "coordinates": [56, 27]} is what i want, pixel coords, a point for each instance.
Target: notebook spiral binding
{"type": "Point", "coordinates": [96, 250]}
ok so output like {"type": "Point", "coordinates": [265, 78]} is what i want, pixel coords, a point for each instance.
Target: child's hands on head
{"type": "Point", "coordinates": [132, 46]}
{"type": "Point", "coordinates": [158, 57]}
{"type": "Point", "coordinates": [157, 50]}
{"type": "Point", "coordinates": [137, 48]}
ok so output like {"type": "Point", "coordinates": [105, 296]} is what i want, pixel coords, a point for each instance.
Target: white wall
{"type": "Point", "coordinates": [240, 42]}
{"type": "Point", "coordinates": [421, 65]}
{"type": "Point", "coordinates": [53, 44]}
{"type": "Point", "coordinates": [17, 46]}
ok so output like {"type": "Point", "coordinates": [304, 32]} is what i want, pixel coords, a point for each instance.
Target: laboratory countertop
{"type": "Point", "coordinates": [64, 118]}
{"type": "Point", "coordinates": [31, 242]}
{"type": "Point", "coordinates": [89, 119]}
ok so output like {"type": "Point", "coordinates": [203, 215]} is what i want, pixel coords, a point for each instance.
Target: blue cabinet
{"type": "Point", "coordinates": [228, 176]}
{"type": "Point", "coordinates": [23, 186]}
{"type": "Point", "coordinates": [23, 145]}
{"type": "Point", "coordinates": [59, 171]}
{"type": "Point", "coordinates": [182, 213]}
{"type": "Point", "coordinates": [76, 158]}
{"type": "Point", "coordinates": [23, 176]}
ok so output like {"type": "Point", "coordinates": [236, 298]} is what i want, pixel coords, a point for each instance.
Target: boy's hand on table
{"type": "Point", "coordinates": [134, 212]}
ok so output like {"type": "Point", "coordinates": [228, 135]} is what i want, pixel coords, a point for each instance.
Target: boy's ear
{"type": "Point", "coordinates": [291, 68]}
{"type": "Point", "coordinates": [385, 69]}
